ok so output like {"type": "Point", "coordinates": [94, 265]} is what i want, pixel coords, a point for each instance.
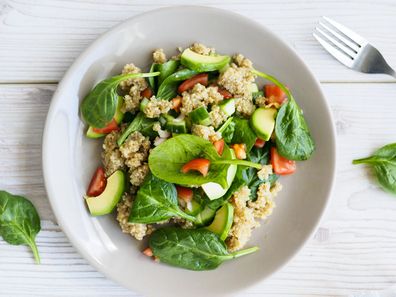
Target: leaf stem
{"type": "Point", "coordinates": [35, 251]}
{"type": "Point", "coordinates": [244, 252]}
{"type": "Point", "coordinates": [121, 77]}
{"type": "Point", "coordinates": [274, 80]}
{"type": "Point", "coordinates": [239, 162]}
{"type": "Point", "coordinates": [367, 160]}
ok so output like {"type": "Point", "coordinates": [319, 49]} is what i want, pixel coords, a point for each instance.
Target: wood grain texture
{"type": "Point", "coordinates": [40, 39]}
{"type": "Point", "coordinates": [353, 251]}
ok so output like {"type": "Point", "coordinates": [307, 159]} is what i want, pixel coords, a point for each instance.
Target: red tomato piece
{"type": "Point", "coordinates": [240, 150]}
{"type": "Point", "coordinates": [148, 252]}
{"type": "Point", "coordinates": [281, 165]}
{"type": "Point", "coordinates": [274, 94]}
{"type": "Point", "coordinates": [259, 143]}
{"type": "Point", "coordinates": [112, 126]}
{"type": "Point", "coordinates": [224, 93]}
{"type": "Point", "coordinates": [201, 78]}
{"type": "Point", "coordinates": [200, 164]}
{"type": "Point", "coordinates": [184, 193]}
{"type": "Point", "coordinates": [147, 93]}
{"type": "Point", "coordinates": [219, 146]}
{"type": "Point", "coordinates": [98, 183]}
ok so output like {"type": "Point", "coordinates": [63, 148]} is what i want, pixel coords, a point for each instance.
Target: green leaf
{"type": "Point", "coordinates": [384, 164]}
{"type": "Point", "coordinates": [194, 249]}
{"type": "Point", "coordinates": [140, 123]}
{"type": "Point", "coordinates": [99, 106]}
{"type": "Point", "coordinates": [19, 221]}
{"type": "Point", "coordinates": [243, 133]}
{"type": "Point", "coordinates": [293, 138]}
{"type": "Point", "coordinates": [166, 69]}
{"type": "Point", "coordinates": [151, 80]}
{"type": "Point", "coordinates": [167, 159]}
{"type": "Point", "coordinates": [168, 89]}
{"type": "Point", "coordinates": [227, 130]}
{"type": "Point", "coordinates": [156, 201]}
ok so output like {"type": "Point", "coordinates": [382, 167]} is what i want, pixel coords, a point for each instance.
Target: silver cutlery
{"type": "Point", "coordinates": [350, 48]}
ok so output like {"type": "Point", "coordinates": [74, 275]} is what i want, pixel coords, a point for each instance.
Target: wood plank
{"type": "Point", "coordinates": [354, 250]}
{"type": "Point", "coordinates": [39, 40]}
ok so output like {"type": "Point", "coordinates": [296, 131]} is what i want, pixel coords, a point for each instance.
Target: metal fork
{"type": "Point", "coordinates": [350, 49]}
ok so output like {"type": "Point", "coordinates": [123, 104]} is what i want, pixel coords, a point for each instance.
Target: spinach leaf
{"type": "Point", "coordinates": [243, 133]}
{"type": "Point", "coordinates": [194, 249]}
{"type": "Point", "coordinates": [166, 69]}
{"type": "Point", "coordinates": [167, 159]}
{"type": "Point", "coordinates": [168, 89]}
{"type": "Point", "coordinates": [156, 201]}
{"type": "Point", "coordinates": [384, 164]}
{"type": "Point", "coordinates": [99, 106]}
{"type": "Point", "coordinates": [227, 130]}
{"type": "Point", "coordinates": [19, 221]}
{"type": "Point", "coordinates": [293, 139]}
{"type": "Point", "coordinates": [140, 123]}
{"type": "Point", "coordinates": [151, 80]}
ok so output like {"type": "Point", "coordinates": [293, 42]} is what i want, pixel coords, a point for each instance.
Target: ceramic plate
{"type": "Point", "coordinates": [69, 158]}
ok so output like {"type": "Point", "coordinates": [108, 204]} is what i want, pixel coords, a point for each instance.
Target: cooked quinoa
{"type": "Point", "coordinates": [133, 154]}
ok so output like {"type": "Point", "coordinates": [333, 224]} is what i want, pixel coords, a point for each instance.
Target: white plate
{"type": "Point", "coordinates": [69, 158]}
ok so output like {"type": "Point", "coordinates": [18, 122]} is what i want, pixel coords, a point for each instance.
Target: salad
{"type": "Point", "coordinates": [192, 153]}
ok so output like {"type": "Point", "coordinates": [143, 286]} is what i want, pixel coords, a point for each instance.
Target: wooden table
{"type": "Point", "coordinates": [352, 252]}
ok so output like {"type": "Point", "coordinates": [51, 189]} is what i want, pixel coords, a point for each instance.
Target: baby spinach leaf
{"type": "Point", "coordinates": [243, 133]}
{"type": "Point", "coordinates": [194, 249]}
{"type": "Point", "coordinates": [151, 80]}
{"type": "Point", "coordinates": [293, 138]}
{"type": "Point", "coordinates": [384, 164]}
{"type": "Point", "coordinates": [167, 159]}
{"type": "Point", "coordinates": [227, 130]}
{"type": "Point", "coordinates": [19, 221]}
{"type": "Point", "coordinates": [166, 69]}
{"type": "Point", "coordinates": [168, 89]}
{"type": "Point", "coordinates": [140, 123]}
{"type": "Point", "coordinates": [156, 201]}
{"type": "Point", "coordinates": [99, 106]}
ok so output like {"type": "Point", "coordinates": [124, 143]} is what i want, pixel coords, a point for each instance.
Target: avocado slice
{"type": "Point", "coordinates": [202, 63]}
{"type": "Point", "coordinates": [222, 222]}
{"type": "Point", "coordinates": [107, 201]}
{"type": "Point", "coordinates": [118, 116]}
{"type": "Point", "coordinates": [214, 190]}
{"type": "Point", "coordinates": [263, 122]}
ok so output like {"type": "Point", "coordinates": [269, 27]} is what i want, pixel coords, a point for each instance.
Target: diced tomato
{"type": "Point", "coordinates": [177, 103]}
{"type": "Point", "coordinates": [112, 126]}
{"type": "Point", "coordinates": [240, 150]}
{"type": "Point", "coordinates": [147, 93]}
{"type": "Point", "coordinates": [148, 252]}
{"type": "Point", "coordinates": [184, 193]}
{"type": "Point", "coordinates": [201, 78]}
{"type": "Point", "coordinates": [259, 143]}
{"type": "Point", "coordinates": [98, 183]}
{"type": "Point", "coordinates": [200, 164]}
{"type": "Point", "coordinates": [274, 94]}
{"type": "Point", "coordinates": [219, 146]}
{"type": "Point", "coordinates": [224, 93]}
{"type": "Point", "coordinates": [281, 165]}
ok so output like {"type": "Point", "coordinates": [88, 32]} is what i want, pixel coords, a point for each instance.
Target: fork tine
{"type": "Point", "coordinates": [340, 56]}
{"type": "Point", "coordinates": [359, 40]}
{"type": "Point", "coordinates": [341, 37]}
{"type": "Point", "coordinates": [337, 44]}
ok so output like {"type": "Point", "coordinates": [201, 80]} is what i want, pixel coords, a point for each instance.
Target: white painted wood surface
{"type": "Point", "coordinates": [354, 250]}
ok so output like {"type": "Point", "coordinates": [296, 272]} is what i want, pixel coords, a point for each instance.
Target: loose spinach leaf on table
{"type": "Point", "coordinates": [167, 159]}
{"type": "Point", "coordinates": [156, 201]}
{"type": "Point", "coordinates": [99, 106]}
{"type": "Point", "coordinates": [293, 138]}
{"type": "Point", "coordinates": [243, 133]}
{"type": "Point", "coordinates": [140, 123]}
{"type": "Point", "coordinates": [168, 89]}
{"type": "Point", "coordinates": [194, 249]}
{"type": "Point", "coordinates": [384, 164]}
{"type": "Point", "coordinates": [19, 221]}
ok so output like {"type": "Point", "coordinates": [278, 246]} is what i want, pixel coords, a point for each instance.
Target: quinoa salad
{"type": "Point", "coordinates": [193, 148]}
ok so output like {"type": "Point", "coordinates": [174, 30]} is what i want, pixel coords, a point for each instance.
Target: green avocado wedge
{"type": "Point", "coordinates": [263, 122]}
{"type": "Point", "coordinates": [222, 222]}
{"type": "Point", "coordinates": [107, 201]}
{"type": "Point", "coordinates": [202, 63]}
